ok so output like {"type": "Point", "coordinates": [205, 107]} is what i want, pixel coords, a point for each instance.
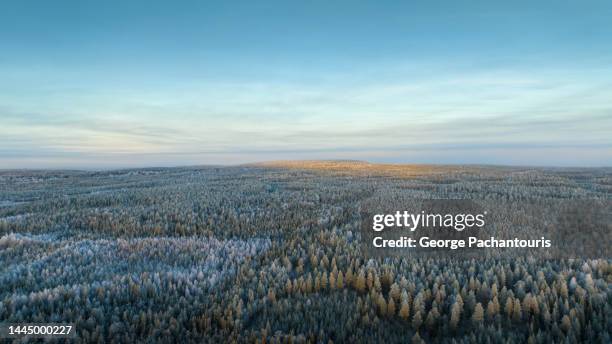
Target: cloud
{"type": "Point", "coordinates": [469, 113]}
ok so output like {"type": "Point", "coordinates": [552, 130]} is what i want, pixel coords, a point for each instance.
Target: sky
{"type": "Point", "coordinates": [112, 84]}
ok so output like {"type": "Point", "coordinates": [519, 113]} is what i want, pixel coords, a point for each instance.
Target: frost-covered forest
{"type": "Point", "coordinates": [272, 253]}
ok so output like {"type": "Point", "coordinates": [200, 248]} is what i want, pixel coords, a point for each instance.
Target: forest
{"type": "Point", "coordinates": [273, 253]}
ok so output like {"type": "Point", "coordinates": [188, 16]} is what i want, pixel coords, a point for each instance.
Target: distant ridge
{"type": "Point", "coordinates": [364, 168]}
{"type": "Point", "coordinates": [312, 163]}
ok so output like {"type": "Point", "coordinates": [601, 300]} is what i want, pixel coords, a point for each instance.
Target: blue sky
{"type": "Point", "coordinates": [104, 84]}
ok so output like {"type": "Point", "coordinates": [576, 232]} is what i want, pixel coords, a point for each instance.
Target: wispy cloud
{"type": "Point", "coordinates": [473, 112]}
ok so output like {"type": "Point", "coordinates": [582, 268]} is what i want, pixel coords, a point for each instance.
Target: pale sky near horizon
{"type": "Point", "coordinates": [105, 84]}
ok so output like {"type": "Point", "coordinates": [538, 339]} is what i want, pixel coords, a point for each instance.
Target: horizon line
{"type": "Point", "coordinates": [270, 164]}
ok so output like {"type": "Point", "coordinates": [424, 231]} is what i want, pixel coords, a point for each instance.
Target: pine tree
{"type": "Point", "coordinates": [360, 282]}
{"type": "Point", "coordinates": [491, 311]}
{"type": "Point", "coordinates": [416, 339]}
{"type": "Point", "coordinates": [308, 284]}
{"type": "Point", "coordinates": [404, 312]}
{"type": "Point", "coordinates": [517, 313]}
{"type": "Point", "coordinates": [455, 314]}
{"type": "Point", "coordinates": [348, 277]}
{"type": "Point", "coordinates": [509, 307]}
{"type": "Point", "coordinates": [332, 281]}
{"type": "Point", "coordinates": [566, 324]}
{"type": "Point", "coordinates": [340, 281]}
{"type": "Point", "coordinates": [271, 295]}
{"type": "Point", "coordinates": [391, 307]}
{"type": "Point", "coordinates": [417, 320]}
{"type": "Point", "coordinates": [370, 280]}
{"type": "Point", "coordinates": [432, 318]}
{"type": "Point", "coordinates": [288, 287]}
{"type": "Point", "coordinates": [324, 281]}
{"type": "Point", "coordinates": [478, 314]}
{"type": "Point", "coordinates": [377, 284]}
{"type": "Point", "coordinates": [382, 305]}
{"type": "Point", "coordinates": [395, 292]}
{"type": "Point", "coordinates": [563, 290]}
